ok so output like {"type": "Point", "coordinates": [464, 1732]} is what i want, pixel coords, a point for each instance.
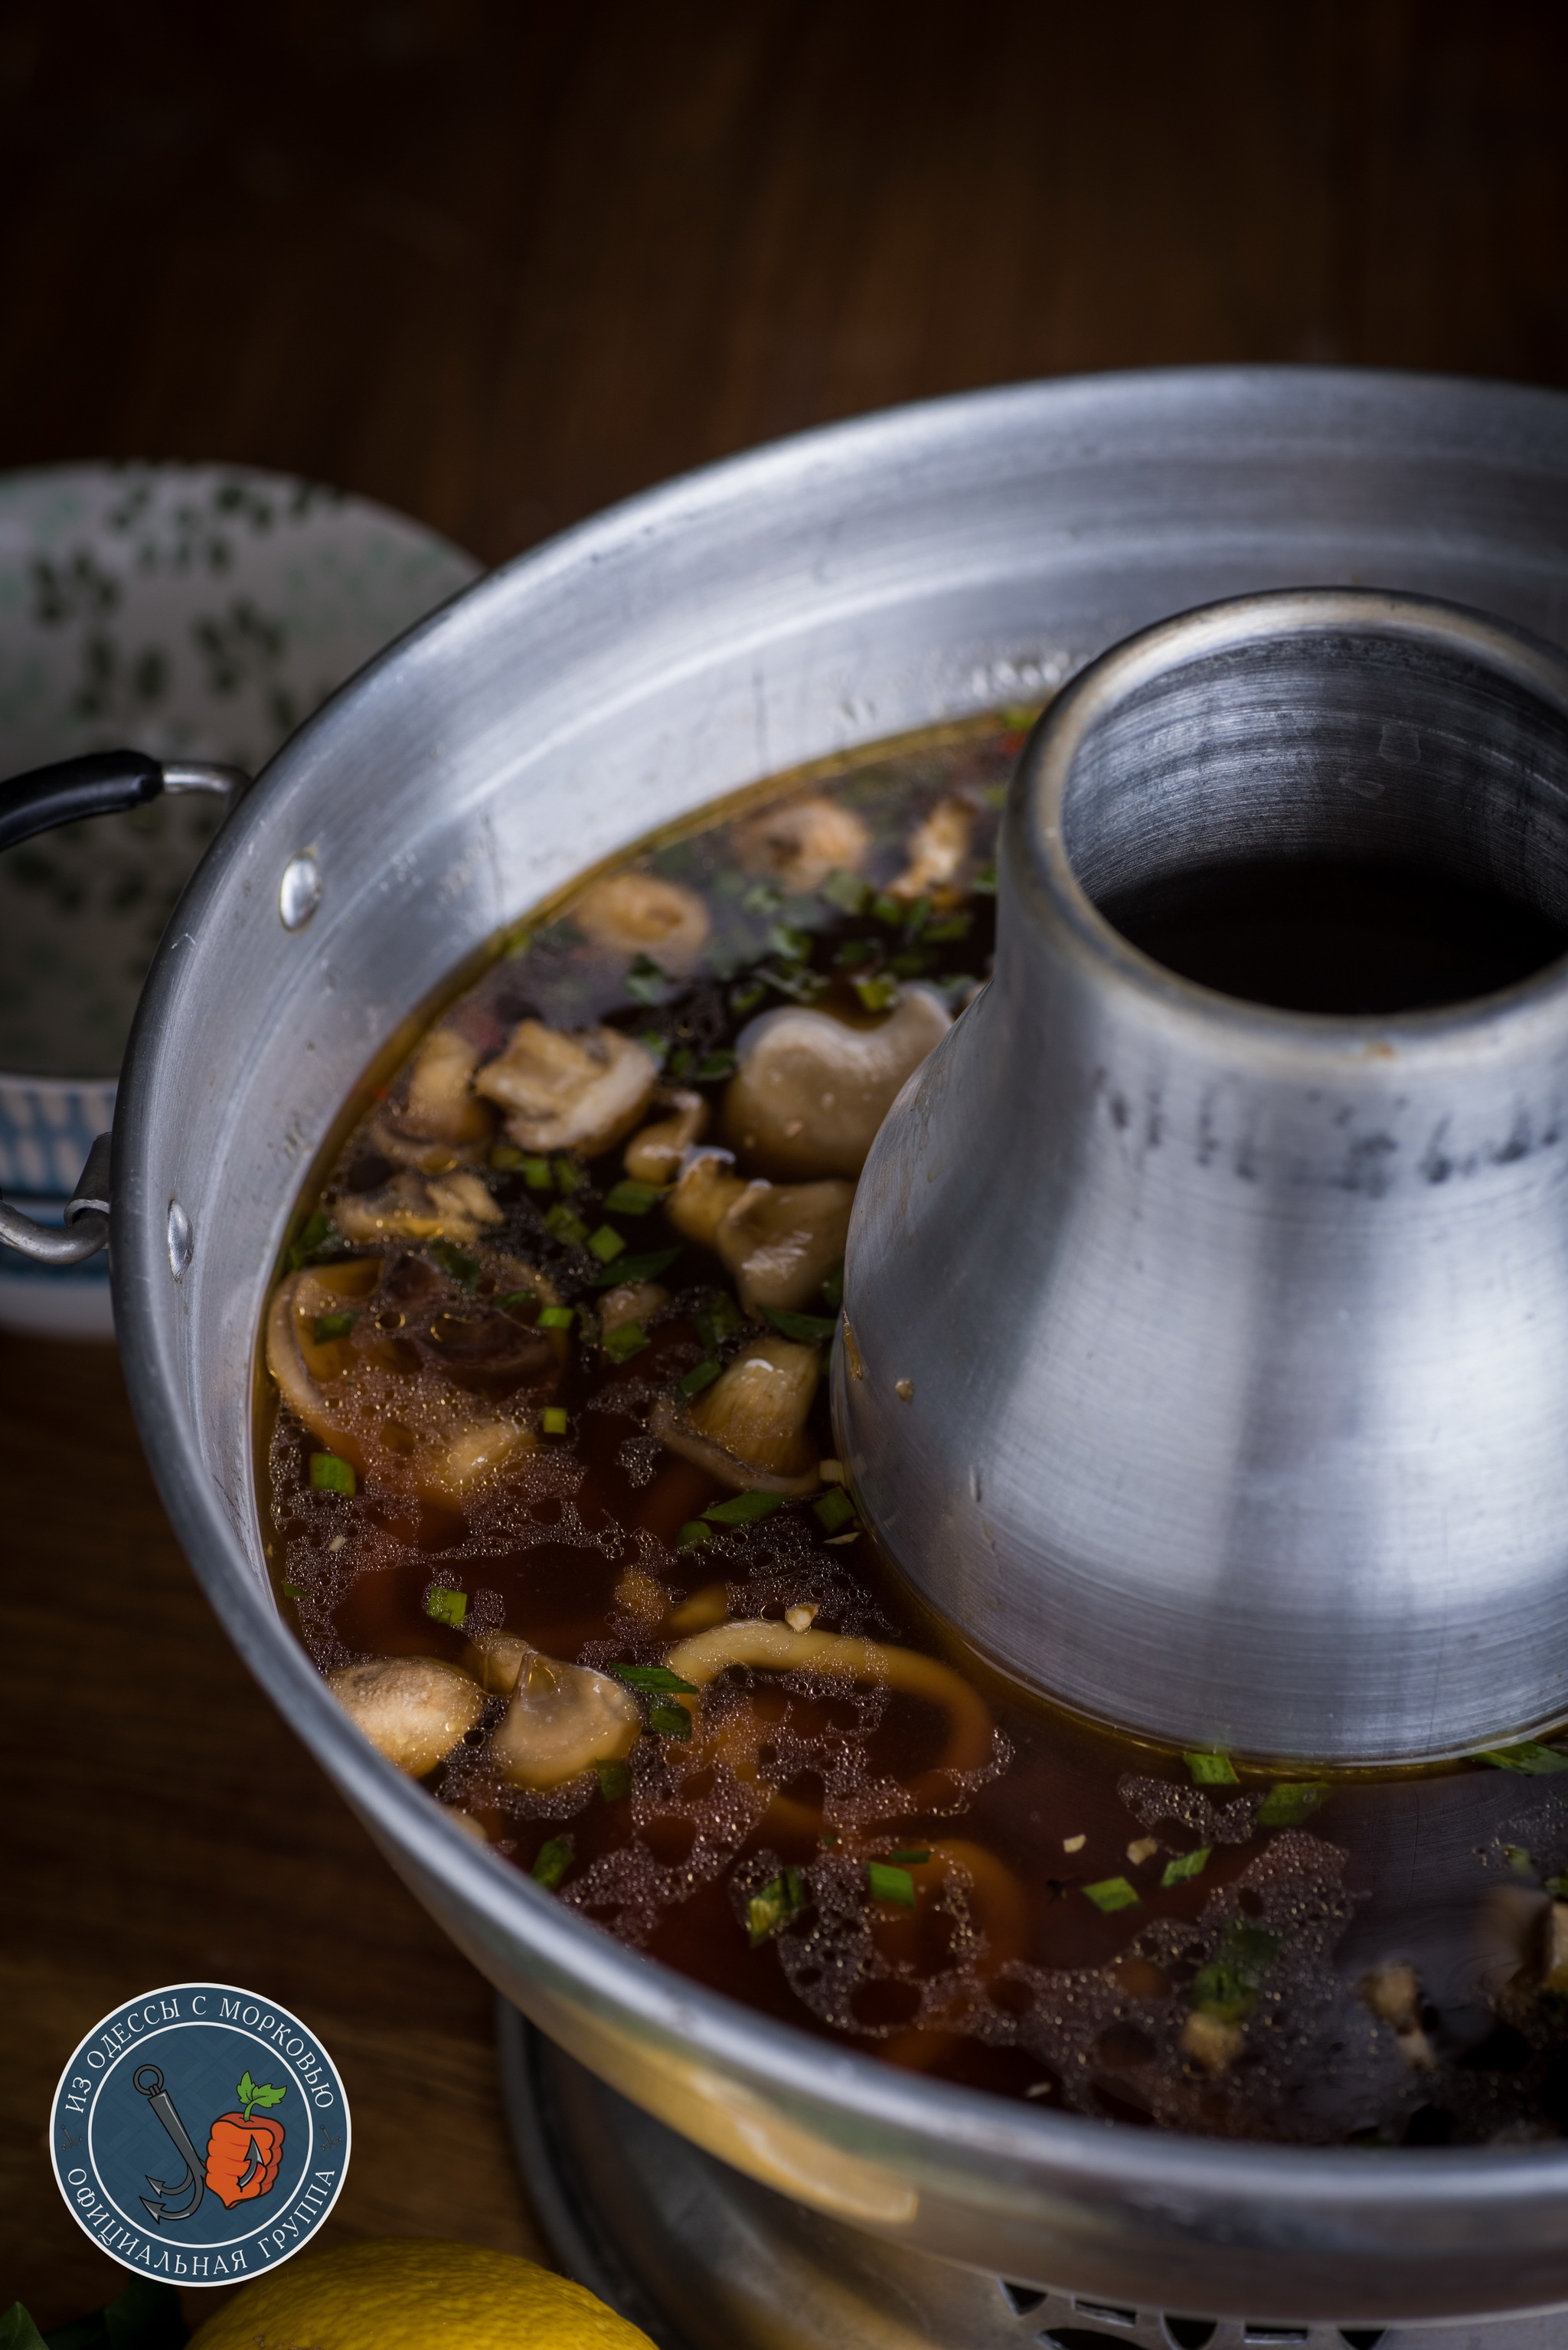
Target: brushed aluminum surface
{"type": "Point", "coordinates": [881, 575]}
{"type": "Point", "coordinates": [1237, 1337]}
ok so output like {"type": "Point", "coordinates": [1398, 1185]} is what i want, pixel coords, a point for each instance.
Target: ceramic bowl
{"type": "Point", "coordinates": [196, 611]}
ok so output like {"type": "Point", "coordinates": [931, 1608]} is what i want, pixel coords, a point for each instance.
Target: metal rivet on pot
{"type": "Point", "coordinates": [182, 1240]}
{"type": "Point", "coordinates": [299, 892]}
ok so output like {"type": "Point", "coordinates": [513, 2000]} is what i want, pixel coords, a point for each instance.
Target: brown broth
{"type": "Point", "coordinates": [1007, 1972]}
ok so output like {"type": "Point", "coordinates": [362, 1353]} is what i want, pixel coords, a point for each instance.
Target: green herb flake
{"type": "Point", "coordinates": [538, 1176]}
{"type": "Point", "coordinates": [855, 952]}
{"type": "Point", "coordinates": [909, 1860]}
{"type": "Point", "coordinates": [653, 1044]}
{"type": "Point", "coordinates": [1211, 1769]}
{"type": "Point", "coordinates": [626, 1339]}
{"type": "Point", "coordinates": [1287, 1805]}
{"type": "Point", "coordinates": [713, 1066]}
{"type": "Point", "coordinates": [950, 930]}
{"type": "Point", "coordinates": [646, 981]}
{"type": "Point", "coordinates": [1535, 1761]}
{"type": "Point", "coordinates": [554, 1318]}
{"type": "Point", "coordinates": [742, 1508]}
{"type": "Point", "coordinates": [669, 1720]}
{"type": "Point", "coordinates": [519, 1298]}
{"type": "Point", "coordinates": [553, 1419]}
{"type": "Point", "coordinates": [1113, 1893]}
{"type": "Point", "coordinates": [630, 1199]}
{"type": "Point", "coordinates": [700, 1376]}
{"type": "Point", "coordinates": [746, 999]}
{"type": "Point", "coordinates": [776, 1903]}
{"type": "Point", "coordinates": [507, 1159]}
{"type": "Point", "coordinates": [446, 1607]}
{"type": "Point", "coordinates": [891, 910]}
{"type": "Point", "coordinates": [654, 1677]}
{"type": "Point", "coordinates": [810, 1329]}
{"type": "Point", "coordinates": [692, 1534]}
{"type": "Point", "coordinates": [554, 1859]}
{"type": "Point", "coordinates": [607, 1244]}
{"type": "Point", "coordinates": [1519, 1861]}
{"type": "Point", "coordinates": [567, 1225]}
{"type": "Point", "coordinates": [876, 994]}
{"type": "Point", "coordinates": [718, 1321]}
{"type": "Point", "coordinates": [327, 1327]}
{"type": "Point", "coordinates": [1228, 1985]}
{"type": "Point", "coordinates": [1186, 1865]}
{"type": "Point", "coordinates": [762, 898]}
{"type": "Point", "coordinates": [636, 1268]}
{"type": "Point", "coordinates": [296, 1590]}
{"type": "Point", "coordinates": [318, 1233]}
{"type": "Point", "coordinates": [846, 892]}
{"type": "Point", "coordinates": [984, 882]}
{"type": "Point", "coordinates": [834, 1511]}
{"type": "Point", "coordinates": [328, 1474]}
{"type": "Point", "coordinates": [615, 1782]}
{"type": "Point", "coordinates": [456, 1264]}
{"type": "Point", "coordinates": [885, 1883]}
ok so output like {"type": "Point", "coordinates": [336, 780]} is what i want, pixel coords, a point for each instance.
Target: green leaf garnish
{"type": "Point", "coordinates": [654, 1677]}
{"type": "Point", "coordinates": [567, 1225]}
{"type": "Point", "coordinates": [260, 2093]}
{"type": "Point", "coordinates": [463, 1268]}
{"type": "Point", "coordinates": [554, 1318]}
{"type": "Point", "coordinates": [17, 2330]}
{"type": "Point", "coordinates": [554, 1859]}
{"type": "Point", "coordinates": [833, 1510]}
{"type": "Point", "coordinates": [1187, 1865]}
{"type": "Point", "coordinates": [1534, 1760]}
{"type": "Point", "coordinates": [1211, 1769]}
{"type": "Point", "coordinates": [885, 1883]}
{"type": "Point", "coordinates": [636, 1268]}
{"type": "Point", "coordinates": [767, 1911]}
{"type": "Point", "coordinates": [742, 1508]}
{"type": "Point", "coordinates": [328, 1474]}
{"type": "Point", "coordinates": [327, 1327]}
{"type": "Point", "coordinates": [811, 1329]}
{"type": "Point", "coordinates": [1114, 1893]}
{"type": "Point", "coordinates": [701, 1374]}
{"type": "Point", "coordinates": [614, 1781]}
{"type": "Point", "coordinates": [669, 1720]}
{"type": "Point", "coordinates": [1228, 1986]}
{"type": "Point", "coordinates": [606, 1243]}
{"type": "Point", "coordinates": [446, 1607]}
{"type": "Point", "coordinates": [630, 1199]}
{"type": "Point", "coordinates": [1287, 1805]}
{"type": "Point", "coordinates": [626, 1339]}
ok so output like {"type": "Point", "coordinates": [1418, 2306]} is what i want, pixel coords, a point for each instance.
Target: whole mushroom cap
{"type": "Point", "coordinates": [811, 1088]}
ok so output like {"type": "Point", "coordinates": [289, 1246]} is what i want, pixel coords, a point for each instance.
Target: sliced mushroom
{"type": "Point", "coordinates": [495, 1659]}
{"type": "Point", "coordinates": [1210, 2042]}
{"type": "Point", "coordinates": [937, 849]}
{"type": "Point", "coordinates": [422, 1386]}
{"type": "Point", "coordinates": [654, 1155]}
{"type": "Point", "coordinates": [643, 1597]}
{"type": "Point", "coordinates": [748, 1428]}
{"type": "Point", "coordinates": [563, 1092]}
{"type": "Point", "coordinates": [413, 1709]}
{"type": "Point", "coordinates": [562, 1719]}
{"type": "Point", "coordinates": [781, 1241]}
{"type": "Point", "coordinates": [638, 913]}
{"type": "Point", "coordinates": [801, 843]}
{"type": "Point", "coordinates": [1394, 1995]}
{"type": "Point", "coordinates": [811, 1088]}
{"type": "Point", "coordinates": [454, 1207]}
{"type": "Point", "coordinates": [630, 1301]}
{"type": "Point", "coordinates": [432, 1121]}
{"type": "Point", "coordinates": [707, 1190]}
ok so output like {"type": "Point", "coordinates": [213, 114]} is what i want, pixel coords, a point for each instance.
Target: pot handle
{"type": "Point", "coordinates": [104, 783]}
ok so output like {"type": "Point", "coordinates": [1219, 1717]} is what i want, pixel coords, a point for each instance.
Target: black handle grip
{"type": "Point", "coordinates": [104, 783]}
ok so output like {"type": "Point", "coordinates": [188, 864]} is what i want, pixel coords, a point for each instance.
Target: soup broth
{"type": "Point", "coordinates": [555, 1507]}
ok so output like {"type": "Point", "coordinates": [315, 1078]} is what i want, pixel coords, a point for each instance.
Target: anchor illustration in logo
{"type": "Point", "coordinates": [243, 2154]}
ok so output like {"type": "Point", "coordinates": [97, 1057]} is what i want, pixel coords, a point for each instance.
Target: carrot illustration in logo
{"type": "Point", "coordinates": [244, 2154]}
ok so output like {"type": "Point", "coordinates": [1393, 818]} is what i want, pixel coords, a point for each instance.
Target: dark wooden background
{"type": "Point", "coordinates": [498, 262]}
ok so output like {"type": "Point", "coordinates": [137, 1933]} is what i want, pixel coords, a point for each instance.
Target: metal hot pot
{"type": "Point", "coordinates": [755, 2187]}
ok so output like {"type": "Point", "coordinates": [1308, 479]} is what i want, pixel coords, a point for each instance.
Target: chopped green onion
{"type": "Point", "coordinates": [1228, 1986]}
{"type": "Point", "coordinates": [669, 1720]}
{"type": "Point", "coordinates": [718, 1321]}
{"type": "Point", "coordinates": [984, 882]}
{"type": "Point", "coordinates": [319, 1231]}
{"type": "Point", "coordinates": [1519, 1860]}
{"type": "Point", "coordinates": [692, 1533]}
{"type": "Point", "coordinates": [1187, 1865]}
{"type": "Point", "coordinates": [553, 1419]}
{"type": "Point", "coordinates": [614, 1781]}
{"type": "Point", "coordinates": [295, 1590]}
{"type": "Point", "coordinates": [569, 1176]}
{"type": "Point", "coordinates": [713, 1066]}
{"type": "Point", "coordinates": [681, 1065]}
{"type": "Point", "coordinates": [1211, 1769]}
{"type": "Point", "coordinates": [554, 1859]}
{"type": "Point", "coordinates": [630, 1199]}
{"type": "Point", "coordinates": [832, 1288]}
{"type": "Point", "coordinates": [1286, 1806]}
{"type": "Point", "coordinates": [909, 962]}
{"type": "Point", "coordinates": [876, 994]}
{"type": "Point", "coordinates": [506, 1158]}
{"type": "Point", "coordinates": [855, 952]}
{"type": "Point", "coordinates": [636, 1268]}
{"type": "Point", "coordinates": [920, 914]}
{"type": "Point", "coordinates": [762, 898]}
{"type": "Point", "coordinates": [655, 1045]}
{"type": "Point", "coordinates": [654, 1677]}
{"type": "Point", "coordinates": [565, 1225]}
{"type": "Point", "coordinates": [767, 1911]}
{"type": "Point", "coordinates": [463, 1268]}
{"type": "Point", "coordinates": [909, 1860]}
{"type": "Point", "coordinates": [700, 1376]}
{"type": "Point", "coordinates": [846, 892]}
{"type": "Point", "coordinates": [554, 1318]}
{"type": "Point", "coordinates": [950, 930]}
{"type": "Point", "coordinates": [1535, 1761]}
{"type": "Point", "coordinates": [327, 1327]}
{"type": "Point", "coordinates": [742, 1508]}
{"type": "Point", "coordinates": [518, 945]}
{"type": "Point", "coordinates": [811, 1329]}
{"type": "Point", "coordinates": [886, 1884]}
{"type": "Point", "coordinates": [746, 999]}
{"type": "Point", "coordinates": [646, 981]}
{"type": "Point", "coordinates": [536, 1175]}
{"type": "Point", "coordinates": [328, 1474]}
{"type": "Point", "coordinates": [1113, 1893]}
{"type": "Point", "coordinates": [794, 945]}
{"type": "Point", "coordinates": [891, 910]}
{"type": "Point", "coordinates": [446, 1607]}
{"type": "Point", "coordinates": [519, 1298]}
{"type": "Point", "coordinates": [607, 1244]}
{"type": "Point", "coordinates": [1556, 1886]}
{"type": "Point", "coordinates": [626, 1339]}
{"type": "Point", "coordinates": [833, 1510]}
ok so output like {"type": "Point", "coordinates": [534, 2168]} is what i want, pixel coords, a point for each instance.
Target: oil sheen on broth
{"type": "Point", "coordinates": [556, 1511]}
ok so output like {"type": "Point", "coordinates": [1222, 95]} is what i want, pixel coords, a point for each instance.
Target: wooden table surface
{"type": "Point", "coordinates": [497, 263]}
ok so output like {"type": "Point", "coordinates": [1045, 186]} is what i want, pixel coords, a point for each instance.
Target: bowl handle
{"type": "Point", "coordinates": [104, 783]}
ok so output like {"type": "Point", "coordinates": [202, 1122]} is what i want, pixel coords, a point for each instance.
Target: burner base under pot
{"type": "Point", "coordinates": [704, 2258]}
